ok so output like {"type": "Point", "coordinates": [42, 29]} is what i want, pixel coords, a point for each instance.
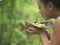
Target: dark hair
{"type": "Point", "coordinates": [54, 2]}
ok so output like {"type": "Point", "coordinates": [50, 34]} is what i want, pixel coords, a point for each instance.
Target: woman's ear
{"type": "Point", "coordinates": [50, 6]}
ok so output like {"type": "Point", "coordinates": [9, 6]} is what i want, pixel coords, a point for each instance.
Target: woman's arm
{"type": "Point", "coordinates": [55, 39]}
{"type": "Point", "coordinates": [44, 38]}
{"type": "Point", "coordinates": [47, 34]}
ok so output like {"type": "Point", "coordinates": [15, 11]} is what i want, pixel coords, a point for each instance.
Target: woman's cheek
{"type": "Point", "coordinates": [43, 13]}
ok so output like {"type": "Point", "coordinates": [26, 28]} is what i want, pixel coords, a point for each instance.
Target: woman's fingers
{"type": "Point", "coordinates": [32, 30]}
{"type": "Point", "coordinates": [29, 31]}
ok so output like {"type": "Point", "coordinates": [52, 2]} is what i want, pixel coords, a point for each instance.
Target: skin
{"type": "Point", "coordinates": [55, 39]}
{"type": "Point", "coordinates": [49, 11]}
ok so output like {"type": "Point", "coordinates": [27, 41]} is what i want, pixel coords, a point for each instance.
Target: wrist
{"type": "Point", "coordinates": [44, 38]}
{"type": "Point", "coordinates": [41, 31]}
{"type": "Point", "coordinates": [45, 32]}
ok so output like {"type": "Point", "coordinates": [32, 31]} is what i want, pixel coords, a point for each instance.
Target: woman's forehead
{"type": "Point", "coordinates": [39, 2]}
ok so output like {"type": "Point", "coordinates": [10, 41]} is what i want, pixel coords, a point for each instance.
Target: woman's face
{"type": "Point", "coordinates": [44, 10]}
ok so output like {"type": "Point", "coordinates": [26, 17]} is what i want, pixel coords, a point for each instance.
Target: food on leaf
{"type": "Point", "coordinates": [37, 25]}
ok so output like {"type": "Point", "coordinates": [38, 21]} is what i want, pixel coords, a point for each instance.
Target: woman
{"type": "Point", "coordinates": [48, 9]}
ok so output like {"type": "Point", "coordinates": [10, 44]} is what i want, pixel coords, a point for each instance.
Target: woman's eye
{"type": "Point", "coordinates": [39, 7]}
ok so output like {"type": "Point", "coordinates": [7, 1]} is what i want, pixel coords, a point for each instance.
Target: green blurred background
{"type": "Point", "coordinates": [11, 12]}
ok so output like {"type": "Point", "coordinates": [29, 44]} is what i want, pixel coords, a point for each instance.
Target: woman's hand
{"type": "Point", "coordinates": [45, 37]}
{"type": "Point", "coordinates": [33, 30]}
